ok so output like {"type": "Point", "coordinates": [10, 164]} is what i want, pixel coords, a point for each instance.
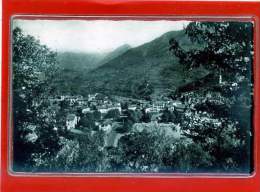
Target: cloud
{"type": "Point", "coordinates": [95, 35]}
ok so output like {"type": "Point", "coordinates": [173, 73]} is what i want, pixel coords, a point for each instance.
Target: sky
{"type": "Point", "coordinates": [95, 36]}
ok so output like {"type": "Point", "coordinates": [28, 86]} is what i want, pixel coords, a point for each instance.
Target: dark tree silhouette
{"type": "Point", "coordinates": [34, 65]}
{"type": "Point", "coordinates": [225, 49]}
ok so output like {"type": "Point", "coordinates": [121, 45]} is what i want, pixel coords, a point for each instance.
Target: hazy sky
{"type": "Point", "coordinates": [95, 35]}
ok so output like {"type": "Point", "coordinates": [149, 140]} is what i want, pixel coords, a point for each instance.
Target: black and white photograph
{"type": "Point", "coordinates": [131, 96]}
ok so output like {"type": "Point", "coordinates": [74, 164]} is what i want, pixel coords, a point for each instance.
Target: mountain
{"type": "Point", "coordinates": [72, 67]}
{"type": "Point", "coordinates": [151, 62]}
{"type": "Point", "coordinates": [115, 53]}
{"type": "Point", "coordinates": [75, 61]}
{"type": "Point", "coordinates": [79, 61]}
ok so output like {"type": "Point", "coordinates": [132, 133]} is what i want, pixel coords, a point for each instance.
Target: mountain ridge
{"type": "Point", "coordinates": [126, 68]}
{"type": "Point", "coordinates": [151, 62]}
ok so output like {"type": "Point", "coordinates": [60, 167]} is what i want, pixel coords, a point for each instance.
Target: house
{"type": "Point", "coordinates": [71, 121]}
{"type": "Point", "coordinates": [86, 110]}
{"type": "Point", "coordinates": [103, 110]}
{"type": "Point", "coordinates": [97, 97]}
{"type": "Point", "coordinates": [132, 107]}
{"type": "Point", "coordinates": [179, 106]}
{"type": "Point", "coordinates": [158, 105]}
{"type": "Point", "coordinates": [82, 102]}
{"type": "Point", "coordinates": [91, 97]}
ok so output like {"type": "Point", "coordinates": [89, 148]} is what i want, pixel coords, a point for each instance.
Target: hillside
{"type": "Point", "coordinates": [79, 61]}
{"type": "Point", "coordinates": [151, 62]}
{"type": "Point", "coordinates": [74, 66]}
{"type": "Point", "coordinates": [115, 53]}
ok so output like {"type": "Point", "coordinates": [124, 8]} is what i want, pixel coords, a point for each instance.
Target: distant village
{"type": "Point", "coordinates": [113, 115]}
{"type": "Point", "coordinates": [116, 116]}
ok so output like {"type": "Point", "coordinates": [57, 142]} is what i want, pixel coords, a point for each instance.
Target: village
{"type": "Point", "coordinates": [115, 116]}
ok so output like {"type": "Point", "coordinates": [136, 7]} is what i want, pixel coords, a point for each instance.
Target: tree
{"type": "Point", "coordinates": [127, 119]}
{"type": "Point", "coordinates": [87, 122]}
{"type": "Point", "coordinates": [34, 66]}
{"type": "Point", "coordinates": [225, 49]}
{"type": "Point", "coordinates": [90, 158]}
{"type": "Point", "coordinates": [143, 90]}
{"type": "Point", "coordinates": [112, 114]}
{"type": "Point", "coordinates": [113, 161]}
{"type": "Point", "coordinates": [140, 151]}
{"type": "Point", "coordinates": [183, 156]}
{"type": "Point", "coordinates": [145, 117]}
{"type": "Point", "coordinates": [167, 116]}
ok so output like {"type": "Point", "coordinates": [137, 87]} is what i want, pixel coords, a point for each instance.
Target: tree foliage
{"type": "Point", "coordinates": [34, 65]}
{"type": "Point", "coordinates": [143, 90]}
{"type": "Point", "coordinates": [215, 123]}
{"type": "Point", "coordinates": [226, 46]}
